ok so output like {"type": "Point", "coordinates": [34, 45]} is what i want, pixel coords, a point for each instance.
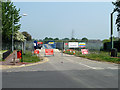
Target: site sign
{"type": "Point", "coordinates": [82, 44]}
{"type": "Point", "coordinates": [73, 44]}
{"type": "Point", "coordinates": [51, 43]}
{"type": "Point", "coordinates": [49, 52]}
{"type": "Point", "coordinates": [84, 51]}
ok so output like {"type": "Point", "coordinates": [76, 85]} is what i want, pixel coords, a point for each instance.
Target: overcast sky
{"type": "Point", "coordinates": [58, 19]}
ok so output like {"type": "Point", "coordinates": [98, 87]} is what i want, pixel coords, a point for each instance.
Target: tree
{"type": "Point", "coordinates": [73, 39]}
{"type": "Point", "coordinates": [51, 39]}
{"type": "Point", "coordinates": [0, 23]}
{"type": "Point", "coordinates": [56, 39]}
{"type": "Point", "coordinates": [117, 7]}
{"type": "Point", "coordinates": [65, 39]}
{"type": "Point", "coordinates": [46, 38]}
{"type": "Point", "coordinates": [8, 9]}
{"type": "Point", "coordinates": [19, 37]}
{"type": "Point", "coordinates": [0, 17]}
{"type": "Point", "coordinates": [106, 40]}
{"type": "Point", "coordinates": [27, 35]}
{"type": "Point", "coordinates": [84, 39]}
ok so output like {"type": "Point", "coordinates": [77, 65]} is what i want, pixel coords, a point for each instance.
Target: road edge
{"type": "Point", "coordinates": [3, 67]}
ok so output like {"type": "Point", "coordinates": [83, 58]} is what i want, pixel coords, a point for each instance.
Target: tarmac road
{"type": "Point", "coordinates": [63, 71]}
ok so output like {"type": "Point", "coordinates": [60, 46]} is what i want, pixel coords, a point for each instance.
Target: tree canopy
{"type": "Point", "coordinates": [19, 36]}
{"type": "Point", "coordinates": [27, 35]}
{"type": "Point", "coordinates": [117, 8]}
{"type": "Point", "coordinates": [9, 14]}
{"type": "Point", "coordinates": [84, 39]}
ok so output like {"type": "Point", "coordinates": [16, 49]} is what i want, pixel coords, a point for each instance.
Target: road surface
{"type": "Point", "coordinates": [63, 71]}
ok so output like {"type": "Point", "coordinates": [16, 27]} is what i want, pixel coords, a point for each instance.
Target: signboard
{"type": "Point", "coordinates": [82, 44]}
{"type": "Point", "coordinates": [35, 44]}
{"type": "Point", "coordinates": [51, 43]}
{"type": "Point", "coordinates": [49, 52]}
{"type": "Point", "coordinates": [73, 44]}
{"type": "Point", "coordinates": [84, 51]}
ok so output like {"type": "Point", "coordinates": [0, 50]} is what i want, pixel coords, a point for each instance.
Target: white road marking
{"type": "Point", "coordinates": [96, 68]}
{"type": "Point", "coordinates": [112, 67]}
{"type": "Point", "coordinates": [9, 71]}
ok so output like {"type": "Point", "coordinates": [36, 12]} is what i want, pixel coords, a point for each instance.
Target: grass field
{"type": "Point", "coordinates": [99, 56]}
{"type": "Point", "coordinates": [28, 57]}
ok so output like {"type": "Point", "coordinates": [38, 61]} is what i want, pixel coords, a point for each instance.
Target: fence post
{"type": "Point", "coordinates": [24, 46]}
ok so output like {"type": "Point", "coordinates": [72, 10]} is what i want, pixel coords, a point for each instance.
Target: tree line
{"type": "Point", "coordinates": [60, 40]}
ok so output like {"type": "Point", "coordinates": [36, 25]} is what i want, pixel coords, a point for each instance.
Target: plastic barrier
{"type": "Point", "coordinates": [36, 51]}
{"type": "Point", "coordinates": [49, 52]}
{"type": "Point", "coordinates": [84, 51]}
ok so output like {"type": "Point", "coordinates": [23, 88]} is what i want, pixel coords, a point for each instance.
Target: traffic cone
{"type": "Point", "coordinates": [70, 51]}
{"type": "Point", "coordinates": [64, 50]}
{"type": "Point", "coordinates": [74, 52]}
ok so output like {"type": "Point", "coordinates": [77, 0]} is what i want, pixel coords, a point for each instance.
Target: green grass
{"type": "Point", "coordinates": [28, 57]}
{"type": "Point", "coordinates": [99, 56]}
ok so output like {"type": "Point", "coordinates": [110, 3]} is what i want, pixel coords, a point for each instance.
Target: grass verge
{"type": "Point", "coordinates": [29, 58]}
{"type": "Point", "coordinates": [101, 56]}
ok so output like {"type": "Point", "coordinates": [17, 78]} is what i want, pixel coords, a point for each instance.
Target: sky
{"type": "Point", "coordinates": [58, 19]}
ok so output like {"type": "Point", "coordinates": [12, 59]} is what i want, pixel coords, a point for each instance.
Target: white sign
{"type": "Point", "coordinates": [73, 44]}
{"type": "Point", "coordinates": [34, 44]}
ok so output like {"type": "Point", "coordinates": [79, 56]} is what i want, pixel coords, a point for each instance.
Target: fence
{"type": "Point", "coordinates": [6, 54]}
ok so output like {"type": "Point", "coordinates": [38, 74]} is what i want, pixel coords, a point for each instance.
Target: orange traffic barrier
{"type": "Point", "coordinates": [36, 51]}
{"type": "Point", "coordinates": [49, 52]}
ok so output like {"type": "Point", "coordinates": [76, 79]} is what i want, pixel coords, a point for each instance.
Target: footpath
{"type": "Point", "coordinates": [8, 62]}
